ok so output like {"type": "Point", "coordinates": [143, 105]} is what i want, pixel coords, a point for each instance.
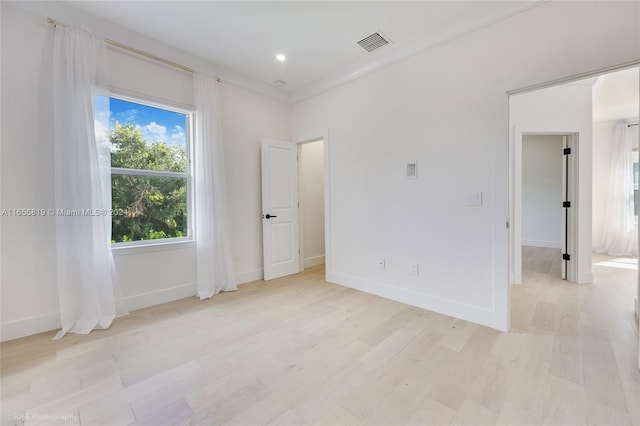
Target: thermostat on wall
{"type": "Point", "coordinates": [412, 170]}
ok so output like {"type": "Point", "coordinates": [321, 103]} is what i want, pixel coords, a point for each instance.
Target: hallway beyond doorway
{"type": "Point", "coordinates": [537, 261]}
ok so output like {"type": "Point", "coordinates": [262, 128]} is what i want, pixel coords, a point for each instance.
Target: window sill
{"type": "Point", "coordinates": [123, 249]}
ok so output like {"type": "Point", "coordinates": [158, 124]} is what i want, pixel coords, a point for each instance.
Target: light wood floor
{"type": "Point", "coordinates": [301, 351]}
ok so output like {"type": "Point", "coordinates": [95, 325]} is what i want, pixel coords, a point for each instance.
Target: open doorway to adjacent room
{"type": "Point", "coordinates": [544, 220]}
{"type": "Point", "coordinates": [293, 205]}
{"type": "Point", "coordinates": [601, 112]}
{"type": "Point", "coordinates": [311, 190]}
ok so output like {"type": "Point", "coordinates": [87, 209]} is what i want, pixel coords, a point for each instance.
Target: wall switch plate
{"type": "Point", "coordinates": [415, 269]}
{"type": "Point", "coordinates": [474, 199]}
{"type": "Point", "coordinates": [381, 263]}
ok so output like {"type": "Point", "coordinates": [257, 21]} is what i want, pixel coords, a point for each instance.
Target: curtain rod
{"type": "Point", "coordinates": [632, 124]}
{"type": "Point", "coordinates": [139, 52]}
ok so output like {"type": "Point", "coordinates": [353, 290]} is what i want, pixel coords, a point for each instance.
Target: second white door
{"type": "Point", "coordinates": [280, 208]}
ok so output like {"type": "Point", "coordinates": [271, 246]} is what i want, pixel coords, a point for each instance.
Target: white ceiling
{"type": "Point", "coordinates": [319, 38]}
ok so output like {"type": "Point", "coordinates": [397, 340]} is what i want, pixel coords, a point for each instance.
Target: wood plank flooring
{"type": "Point", "coordinates": [298, 351]}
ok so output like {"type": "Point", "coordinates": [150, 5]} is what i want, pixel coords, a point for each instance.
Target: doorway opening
{"type": "Point", "coordinates": [547, 232]}
{"type": "Point", "coordinates": [311, 189]}
{"type": "Point", "coordinates": [545, 215]}
{"type": "Point", "coordinates": [295, 225]}
{"type": "Point", "coordinates": [562, 110]}
{"type": "Point", "coordinates": [588, 110]}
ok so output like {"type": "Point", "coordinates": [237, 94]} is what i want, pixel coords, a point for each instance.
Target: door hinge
{"type": "Point", "coordinates": [566, 151]}
{"type": "Point", "coordinates": [507, 225]}
{"type": "Point", "coordinates": [566, 256]}
{"type": "Point", "coordinates": [566, 204]}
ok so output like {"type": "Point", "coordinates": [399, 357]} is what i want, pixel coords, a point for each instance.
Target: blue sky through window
{"type": "Point", "coordinates": [155, 124]}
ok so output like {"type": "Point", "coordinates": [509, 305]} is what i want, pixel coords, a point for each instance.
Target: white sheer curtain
{"type": "Point", "coordinates": [215, 266]}
{"type": "Point", "coordinates": [87, 283]}
{"type": "Point", "coordinates": [620, 235]}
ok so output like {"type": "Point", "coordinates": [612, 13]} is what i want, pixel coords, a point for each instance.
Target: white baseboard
{"type": "Point", "coordinates": [431, 303]}
{"type": "Point", "coordinates": [29, 326]}
{"type": "Point", "coordinates": [547, 244]}
{"type": "Point", "coordinates": [313, 261]}
{"type": "Point", "coordinates": [248, 276]}
{"type": "Point", "coordinates": [158, 297]}
{"type": "Point", "coordinates": [35, 325]}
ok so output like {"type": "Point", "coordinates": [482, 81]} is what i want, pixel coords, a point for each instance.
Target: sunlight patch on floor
{"type": "Point", "coordinates": [620, 262]}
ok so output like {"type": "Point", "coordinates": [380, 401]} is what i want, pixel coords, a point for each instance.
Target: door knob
{"type": "Point", "coordinates": [268, 216]}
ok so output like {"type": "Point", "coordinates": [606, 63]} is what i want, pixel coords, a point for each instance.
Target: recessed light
{"type": "Point", "coordinates": [280, 57]}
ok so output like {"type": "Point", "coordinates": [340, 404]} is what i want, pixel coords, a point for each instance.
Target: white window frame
{"type": "Point", "coordinates": [188, 175]}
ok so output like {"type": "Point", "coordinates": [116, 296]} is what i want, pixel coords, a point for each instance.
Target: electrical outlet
{"type": "Point", "coordinates": [381, 263]}
{"type": "Point", "coordinates": [415, 269]}
{"type": "Point", "coordinates": [236, 256]}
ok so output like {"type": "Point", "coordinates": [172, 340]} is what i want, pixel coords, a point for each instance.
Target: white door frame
{"type": "Point", "coordinates": [316, 137]}
{"type": "Point", "coordinates": [515, 203]}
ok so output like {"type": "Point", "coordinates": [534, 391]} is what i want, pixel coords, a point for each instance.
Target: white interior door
{"type": "Point", "coordinates": [280, 208]}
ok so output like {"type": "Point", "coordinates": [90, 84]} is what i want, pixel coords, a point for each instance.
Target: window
{"type": "Point", "coordinates": [149, 169]}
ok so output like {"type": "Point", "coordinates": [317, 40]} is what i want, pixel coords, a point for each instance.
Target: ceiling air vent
{"type": "Point", "coordinates": [373, 42]}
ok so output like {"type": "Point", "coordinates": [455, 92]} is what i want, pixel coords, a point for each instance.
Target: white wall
{"type": "Point", "coordinates": [28, 287]}
{"type": "Point", "coordinates": [312, 202]}
{"type": "Point", "coordinates": [561, 110]}
{"type": "Point", "coordinates": [148, 276]}
{"type": "Point", "coordinates": [542, 211]}
{"type": "Point", "coordinates": [447, 108]}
